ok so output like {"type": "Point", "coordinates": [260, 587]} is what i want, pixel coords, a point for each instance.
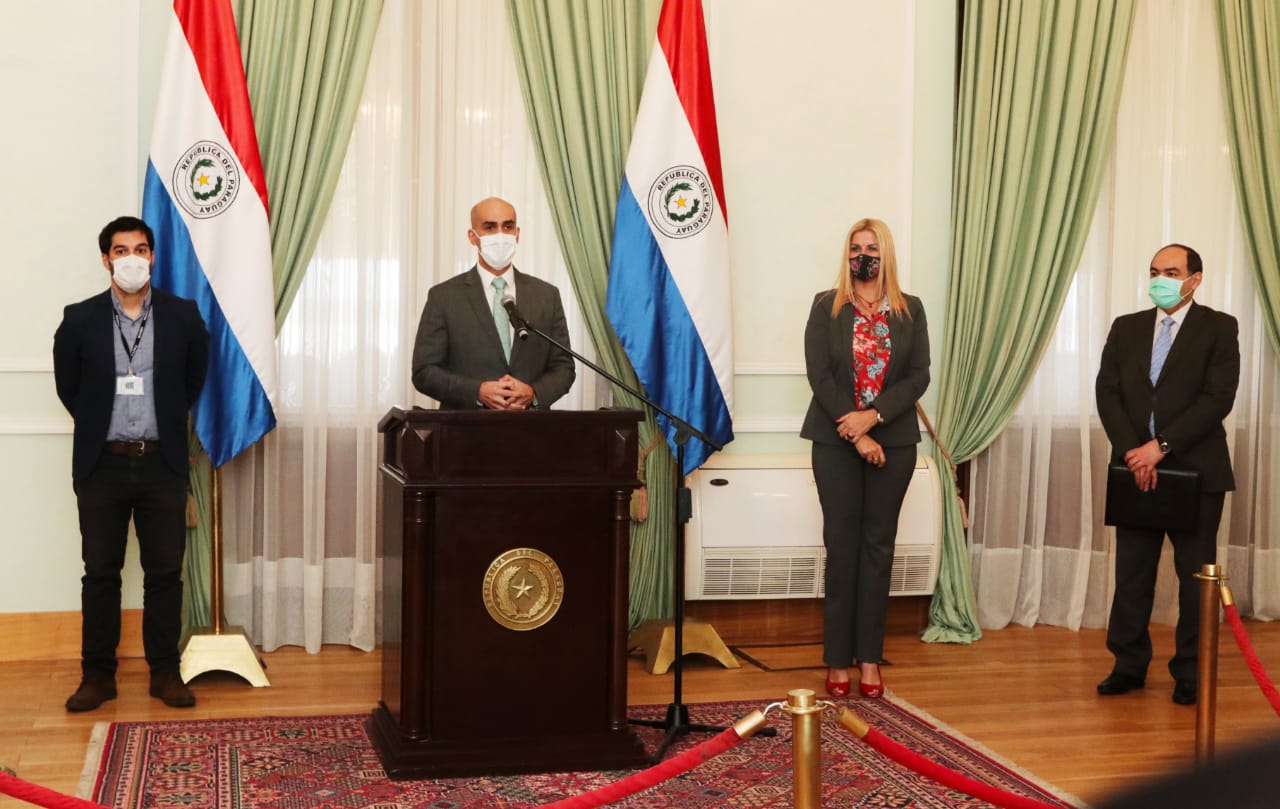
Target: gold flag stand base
{"type": "Point", "coordinates": [226, 650]}
{"type": "Point", "coordinates": [657, 640]}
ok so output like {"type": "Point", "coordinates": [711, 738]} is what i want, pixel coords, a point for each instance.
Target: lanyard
{"type": "Point", "coordinates": [129, 352]}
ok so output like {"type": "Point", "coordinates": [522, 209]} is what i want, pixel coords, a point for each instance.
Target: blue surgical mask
{"type": "Point", "coordinates": [1165, 292]}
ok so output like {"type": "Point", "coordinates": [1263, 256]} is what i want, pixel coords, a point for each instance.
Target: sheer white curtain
{"type": "Point", "coordinates": [1040, 552]}
{"type": "Point", "coordinates": [441, 125]}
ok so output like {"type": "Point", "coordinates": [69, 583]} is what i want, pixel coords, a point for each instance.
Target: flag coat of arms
{"type": "Point", "coordinates": [669, 294]}
{"type": "Point", "coordinates": [205, 196]}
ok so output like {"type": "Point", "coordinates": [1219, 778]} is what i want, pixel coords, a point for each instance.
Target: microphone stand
{"type": "Point", "coordinates": [676, 723]}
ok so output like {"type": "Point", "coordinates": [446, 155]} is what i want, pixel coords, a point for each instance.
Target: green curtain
{"type": "Point", "coordinates": [198, 569]}
{"type": "Point", "coordinates": [582, 66]}
{"type": "Point", "coordinates": [1249, 40]}
{"type": "Point", "coordinates": [305, 63]}
{"type": "Point", "coordinates": [1039, 89]}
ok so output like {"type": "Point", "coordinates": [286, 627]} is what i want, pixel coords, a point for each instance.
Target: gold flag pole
{"type": "Point", "coordinates": [219, 647]}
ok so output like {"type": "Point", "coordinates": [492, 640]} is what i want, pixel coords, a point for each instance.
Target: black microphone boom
{"type": "Point", "coordinates": [513, 314]}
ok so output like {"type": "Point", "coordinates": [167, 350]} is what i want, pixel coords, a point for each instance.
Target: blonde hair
{"type": "Point", "coordinates": [888, 280]}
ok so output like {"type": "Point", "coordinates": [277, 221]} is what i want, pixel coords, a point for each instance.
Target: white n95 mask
{"type": "Point", "coordinates": [497, 250]}
{"type": "Point", "coordinates": [131, 273]}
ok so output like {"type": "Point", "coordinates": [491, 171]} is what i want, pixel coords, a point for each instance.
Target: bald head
{"type": "Point", "coordinates": [495, 232]}
{"type": "Point", "coordinates": [493, 215]}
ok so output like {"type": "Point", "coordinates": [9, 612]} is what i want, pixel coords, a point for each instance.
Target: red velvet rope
{"type": "Point", "coordinates": [948, 777]}
{"type": "Point", "coordinates": [41, 796]}
{"type": "Point", "coordinates": [653, 776]}
{"type": "Point", "coordinates": [1251, 657]}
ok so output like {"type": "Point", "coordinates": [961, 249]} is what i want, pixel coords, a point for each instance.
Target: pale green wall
{"type": "Point", "coordinates": [75, 136]}
{"type": "Point", "coordinates": [835, 112]}
{"type": "Point", "coordinates": [800, 164]}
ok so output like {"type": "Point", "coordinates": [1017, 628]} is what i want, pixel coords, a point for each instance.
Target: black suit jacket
{"type": "Point", "coordinates": [1195, 392]}
{"type": "Point", "coordinates": [828, 357]}
{"type": "Point", "coordinates": [84, 371]}
{"type": "Point", "coordinates": [457, 346]}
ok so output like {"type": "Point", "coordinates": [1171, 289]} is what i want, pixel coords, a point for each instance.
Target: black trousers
{"type": "Point", "coordinates": [147, 490]}
{"type": "Point", "coordinates": [1137, 559]}
{"type": "Point", "coordinates": [860, 507]}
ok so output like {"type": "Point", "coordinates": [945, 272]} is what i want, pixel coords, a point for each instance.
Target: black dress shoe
{"type": "Point", "coordinates": [1184, 692]}
{"type": "Point", "coordinates": [1117, 683]}
{"type": "Point", "coordinates": [168, 686]}
{"type": "Point", "coordinates": [94, 690]}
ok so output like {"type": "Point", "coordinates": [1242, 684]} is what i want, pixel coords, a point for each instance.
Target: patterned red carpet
{"type": "Point", "coordinates": [326, 761]}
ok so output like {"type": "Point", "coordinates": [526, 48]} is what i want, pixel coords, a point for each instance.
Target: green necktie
{"type": "Point", "coordinates": [500, 318]}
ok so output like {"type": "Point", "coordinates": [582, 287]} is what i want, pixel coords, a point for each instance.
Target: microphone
{"type": "Point", "coordinates": [513, 314]}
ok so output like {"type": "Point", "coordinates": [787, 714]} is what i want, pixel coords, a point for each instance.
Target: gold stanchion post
{"type": "Point", "coordinates": [806, 748]}
{"type": "Point", "coordinates": [218, 647]}
{"type": "Point", "coordinates": [1211, 577]}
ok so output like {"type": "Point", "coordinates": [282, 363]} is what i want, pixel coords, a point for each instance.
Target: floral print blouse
{"type": "Point", "coordinates": [870, 353]}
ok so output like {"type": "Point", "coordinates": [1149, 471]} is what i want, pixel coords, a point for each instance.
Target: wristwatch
{"type": "Point", "coordinates": [879, 417]}
{"type": "Point", "coordinates": [1164, 445]}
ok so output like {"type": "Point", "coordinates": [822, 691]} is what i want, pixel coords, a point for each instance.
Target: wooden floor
{"type": "Point", "coordinates": [1026, 694]}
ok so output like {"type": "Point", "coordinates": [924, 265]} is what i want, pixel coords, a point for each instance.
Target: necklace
{"type": "Point", "coordinates": [870, 305]}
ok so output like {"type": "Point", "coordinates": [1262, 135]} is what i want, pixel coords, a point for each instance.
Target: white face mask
{"type": "Point", "coordinates": [497, 250]}
{"type": "Point", "coordinates": [131, 273]}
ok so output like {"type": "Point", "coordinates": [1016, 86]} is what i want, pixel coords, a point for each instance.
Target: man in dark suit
{"type": "Point", "coordinates": [128, 365]}
{"type": "Point", "coordinates": [1168, 379]}
{"type": "Point", "coordinates": [465, 355]}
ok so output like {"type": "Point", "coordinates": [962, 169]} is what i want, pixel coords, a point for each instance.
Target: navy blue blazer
{"type": "Point", "coordinates": [84, 371]}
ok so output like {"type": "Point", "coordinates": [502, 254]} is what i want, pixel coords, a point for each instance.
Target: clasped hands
{"type": "Point", "coordinates": [1142, 461]}
{"type": "Point", "coordinates": [853, 427]}
{"type": "Point", "coordinates": [507, 393]}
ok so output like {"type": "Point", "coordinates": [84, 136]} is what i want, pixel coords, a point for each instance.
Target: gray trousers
{"type": "Point", "coordinates": [860, 506]}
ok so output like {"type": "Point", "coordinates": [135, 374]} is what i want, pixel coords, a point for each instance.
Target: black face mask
{"type": "Point", "coordinates": [864, 267]}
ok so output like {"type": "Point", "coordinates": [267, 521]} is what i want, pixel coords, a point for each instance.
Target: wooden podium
{"type": "Point", "coordinates": [505, 589]}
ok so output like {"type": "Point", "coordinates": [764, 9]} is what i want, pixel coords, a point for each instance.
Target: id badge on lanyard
{"type": "Point", "coordinates": [130, 384]}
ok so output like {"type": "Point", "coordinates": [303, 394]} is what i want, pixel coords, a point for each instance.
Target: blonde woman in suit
{"type": "Point", "coordinates": [866, 349]}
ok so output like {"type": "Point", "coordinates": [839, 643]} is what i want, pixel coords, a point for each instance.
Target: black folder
{"type": "Point", "coordinates": [1172, 506]}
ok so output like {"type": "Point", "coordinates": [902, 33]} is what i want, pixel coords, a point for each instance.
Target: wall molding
{"type": "Point", "coordinates": [11, 365]}
{"type": "Point", "coordinates": [56, 635]}
{"type": "Point", "coordinates": [769, 369]}
{"type": "Point", "coordinates": [768, 424]}
{"type": "Point", "coordinates": [41, 426]}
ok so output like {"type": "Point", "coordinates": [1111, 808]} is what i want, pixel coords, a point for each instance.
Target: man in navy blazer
{"type": "Point", "coordinates": [1175, 419]}
{"type": "Point", "coordinates": [128, 365]}
{"type": "Point", "coordinates": [465, 355]}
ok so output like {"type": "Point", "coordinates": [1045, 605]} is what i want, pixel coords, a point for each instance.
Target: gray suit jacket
{"type": "Point", "coordinates": [1195, 392]}
{"type": "Point", "coordinates": [828, 357]}
{"type": "Point", "coordinates": [458, 348]}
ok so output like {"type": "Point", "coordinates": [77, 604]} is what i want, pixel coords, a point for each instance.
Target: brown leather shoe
{"type": "Point", "coordinates": [94, 690]}
{"type": "Point", "coordinates": [168, 686]}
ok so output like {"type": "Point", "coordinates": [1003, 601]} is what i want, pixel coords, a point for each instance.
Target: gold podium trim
{"type": "Point", "coordinates": [657, 639]}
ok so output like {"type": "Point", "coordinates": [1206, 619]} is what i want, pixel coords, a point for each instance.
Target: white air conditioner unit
{"type": "Point", "coordinates": [756, 531]}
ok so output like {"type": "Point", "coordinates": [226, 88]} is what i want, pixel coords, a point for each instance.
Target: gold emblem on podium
{"type": "Point", "coordinates": [523, 589]}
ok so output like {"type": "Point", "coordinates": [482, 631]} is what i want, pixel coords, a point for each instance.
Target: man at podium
{"type": "Point", "coordinates": [466, 354]}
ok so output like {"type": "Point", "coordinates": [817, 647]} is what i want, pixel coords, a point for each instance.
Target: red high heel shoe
{"type": "Point", "coordinates": [836, 689]}
{"type": "Point", "coordinates": [871, 691]}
